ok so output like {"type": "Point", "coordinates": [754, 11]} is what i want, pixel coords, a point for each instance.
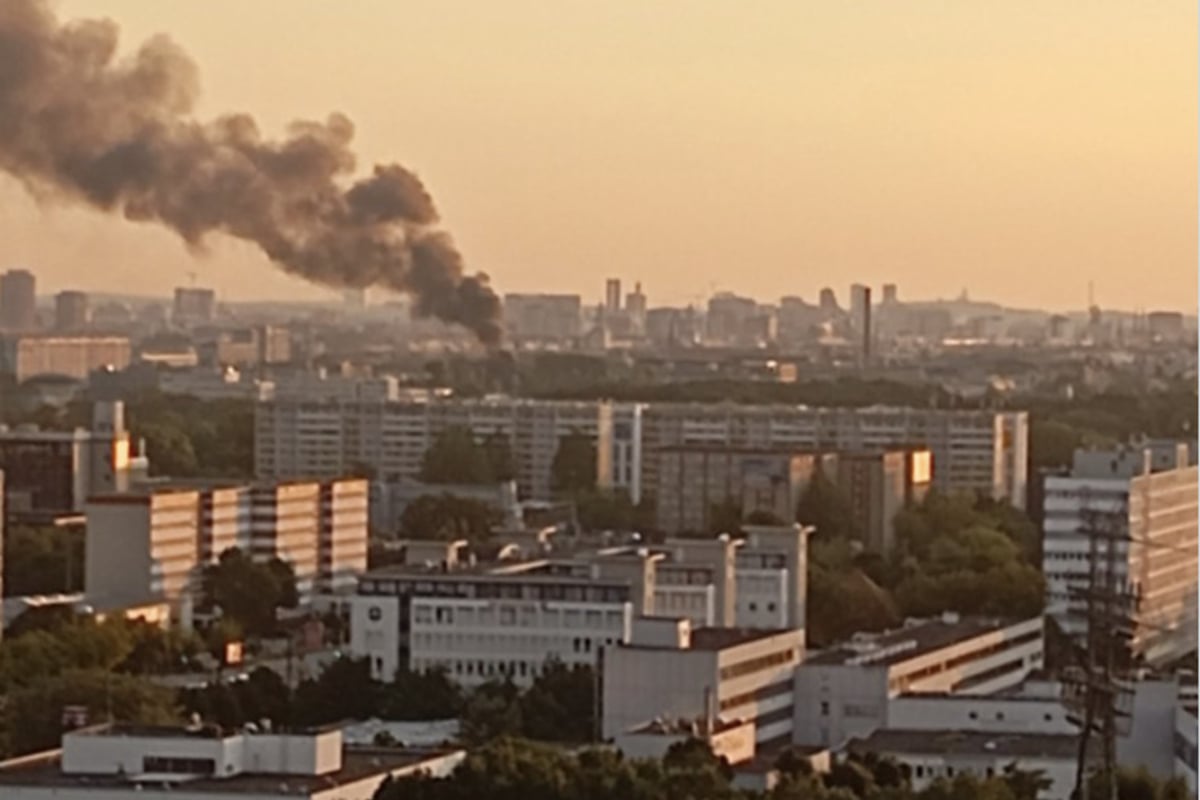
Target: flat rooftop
{"type": "Point", "coordinates": [905, 643]}
{"type": "Point", "coordinates": [357, 764]}
{"type": "Point", "coordinates": [998, 745]}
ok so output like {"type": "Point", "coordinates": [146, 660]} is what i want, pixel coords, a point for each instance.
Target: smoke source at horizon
{"type": "Point", "coordinates": [79, 125]}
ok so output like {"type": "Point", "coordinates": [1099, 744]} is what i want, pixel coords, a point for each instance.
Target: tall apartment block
{"type": "Point", "coordinates": [194, 306]}
{"type": "Point", "coordinates": [305, 432]}
{"type": "Point", "coordinates": [984, 451]}
{"type": "Point", "coordinates": [1145, 496]}
{"type": "Point", "coordinates": [18, 300]}
{"type": "Point", "coordinates": [72, 356]}
{"type": "Point", "coordinates": [71, 312]}
{"type": "Point", "coordinates": [328, 427]}
{"type": "Point", "coordinates": [152, 543]}
{"type": "Point", "coordinates": [543, 316]}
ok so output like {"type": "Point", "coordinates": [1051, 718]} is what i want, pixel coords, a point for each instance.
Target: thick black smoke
{"type": "Point", "coordinates": [77, 123]}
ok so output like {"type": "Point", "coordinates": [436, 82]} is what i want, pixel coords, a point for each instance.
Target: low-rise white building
{"type": "Point", "coordinates": [845, 692]}
{"type": "Point", "coordinates": [137, 762]}
{"type": "Point", "coordinates": [724, 675]}
{"type": "Point", "coordinates": [932, 755]}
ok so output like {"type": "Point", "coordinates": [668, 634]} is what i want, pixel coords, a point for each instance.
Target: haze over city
{"type": "Point", "coordinates": [941, 146]}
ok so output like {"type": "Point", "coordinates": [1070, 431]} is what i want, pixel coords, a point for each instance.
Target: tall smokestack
{"type": "Point", "coordinates": [77, 124]}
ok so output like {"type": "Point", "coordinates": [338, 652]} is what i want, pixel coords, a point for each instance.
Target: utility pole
{"type": "Point", "coordinates": [1097, 691]}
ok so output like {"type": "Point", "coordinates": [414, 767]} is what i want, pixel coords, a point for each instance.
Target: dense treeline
{"type": "Point", "coordinates": [507, 769]}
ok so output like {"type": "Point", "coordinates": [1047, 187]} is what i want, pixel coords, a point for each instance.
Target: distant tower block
{"type": "Point", "coordinates": [612, 294]}
{"type": "Point", "coordinates": [890, 296]}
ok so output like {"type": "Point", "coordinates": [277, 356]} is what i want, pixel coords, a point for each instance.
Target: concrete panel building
{"type": "Point", "coordinates": [26, 356]}
{"type": "Point", "coordinates": [1146, 500]}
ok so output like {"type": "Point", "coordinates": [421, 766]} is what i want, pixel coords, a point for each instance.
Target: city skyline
{"type": "Point", "coordinates": [1058, 150]}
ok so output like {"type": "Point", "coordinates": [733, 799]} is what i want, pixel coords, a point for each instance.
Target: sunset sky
{"type": "Point", "coordinates": [1017, 149]}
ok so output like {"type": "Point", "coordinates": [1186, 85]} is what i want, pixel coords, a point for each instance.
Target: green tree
{"type": "Point", "coordinates": [33, 714]}
{"type": "Point", "coordinates": [169, 449]}
{"type": "Point", "coordinates": [825, 506]}
{"type": "Point", "coordinates": [456, 458]}
{"type": "Point", "coordinates": [45, 560]}
{"type": "Point", "coordinates": [447, 516]}
{"type": "Point", "coordinates": [343, 690]}
{"type": "Point", "coordinates": [605, 509]}
{"type": "Point", "coordinates": [725, 517]}
{"type": "Point", "coordinates": [492, 711]}
{"type": "Point", "coordinates": [560, 706]}
{"type": "Point", "coordinates": [498, 449]}
{"type": "Point", "coordinates": [427, 695]}
{"type": "Point", "coordinates": [248, 592]}
{"type": "Point", "coordinates": [573, 469]}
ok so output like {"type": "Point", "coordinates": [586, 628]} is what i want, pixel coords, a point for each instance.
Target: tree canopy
{"type": "Point", "coordinates": [456, 458]}
{"type": "Point", "coordinates": [573, 469]}
{"type": "Point", "coordinates": [249, 593]}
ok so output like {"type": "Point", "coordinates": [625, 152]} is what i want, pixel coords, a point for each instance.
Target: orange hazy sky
{"type": "Point", "coordinates": [1018, 149]}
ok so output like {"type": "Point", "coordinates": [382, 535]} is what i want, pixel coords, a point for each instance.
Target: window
{"type": "Point", "coordinates": [753, 606]}
{"type": "Point", "coordinates": [824, 708]}
{"type": "Point", "coordinates": [973, 715]}
{"type": "Point", "coordinates": [1047, 717]}
{"type": "Point", "coordinates": [178, 766]}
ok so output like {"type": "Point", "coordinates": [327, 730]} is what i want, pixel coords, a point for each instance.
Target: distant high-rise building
{"type": "Point", "coordinates": [860, 317]}
{"type": "Point", "coordinates": [828, 301]}
{"type": "Point", "coordinates": [194, 306]}
{"type": "Point", "coordinates": [70, 311]}
{"type": "Point", "coordinates": [612, 295]}
{"type": "Point", "coordinates": [18, 298]}
{"type": "Point", "coordinates": [543, 316]}
{"type": "Point", "coordinates": [635, 301]}
{"type": "Point", "coordinates": [890, 296]}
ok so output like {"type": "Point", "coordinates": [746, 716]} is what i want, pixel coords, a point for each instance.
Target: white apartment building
{"type": "Point", "coordinates": [845, 692]}
{"type": "Point", "coordinates": [153, 543]}
{"type": "Point", "coordinates": [721, 675]}
{"type": "Point", "coordinates": [142, 546]}
{"type": "Point", "coordinates": [143, 762]}
{"type": "Point", "coordinates": [1152, 515]}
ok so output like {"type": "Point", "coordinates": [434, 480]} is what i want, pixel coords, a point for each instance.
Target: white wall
{"type": "Point", "coordinates": [641, 684]}
{"type": "Point", "coordinates": [835, 703]}
{"type": "Point", "coordinates": [958, 712]}
{"type": "Point", "coordinates": [375, 633]}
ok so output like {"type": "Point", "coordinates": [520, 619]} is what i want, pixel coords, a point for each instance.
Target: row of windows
{"type": "Point", "coordinates": [759, 695]}
{"type": "Point", "coordinates": [759, 664]}
{"type": "Point", "coordinates": [902, 682]}
{"type": "Point", "coordinates": [175, 765]}
{"type": "Point", "coordinates": [509, 617]}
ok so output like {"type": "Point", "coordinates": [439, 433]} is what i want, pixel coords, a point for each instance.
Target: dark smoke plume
{"type": "Point", "coordinates": [78, 124]}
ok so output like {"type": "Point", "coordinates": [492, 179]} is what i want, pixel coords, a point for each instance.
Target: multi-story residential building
{"type": "Point", "coordinates": [54, 472]}
{"type": "Point", "coordinates": [18, 300]}
{"type": "Point", "coordinates": [694, 481]}
{"type": "Point", "coordinates": [298, 433]}
{"type": "Point", "coordinates": [152, 542]}
{"type": "Point", "coordinates": [121, 761]}
{"type": "Point", "coordinates": [844, 692]}
{"type": "Point", "coordinates": [544, 317]}
{"type": "Point", "coordinates": [194, 306]}
{"type": "Point", "coordinates": [330, 427]}
{"type": "Point", "coordinates": [985, 451]}
{"type": "Point", "coordinates": [720, 675]}
{"type": "Point", "coordinates": [71, 313]}
{"type": "Point", "coordinates": [24, 357]}
{"type": "Point", "coordinates": [142, 545]}
{"type": "Point", "coordinates": [1145, 505]}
